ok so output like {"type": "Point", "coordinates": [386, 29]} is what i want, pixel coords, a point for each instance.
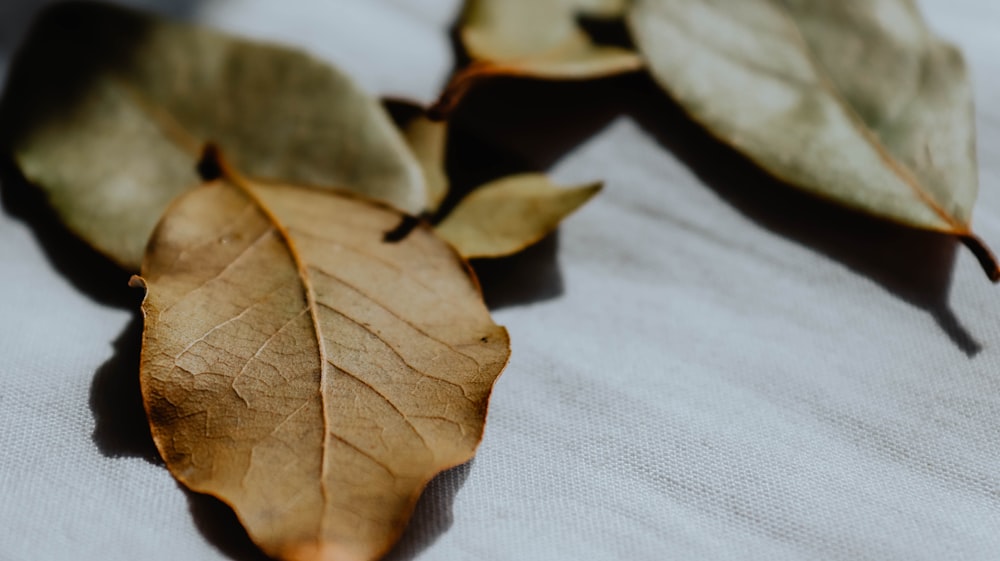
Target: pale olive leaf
{"type": "Point", "coordinates": [428, 139]}
{"type": "Point", "coordinates": [108, 110]}
{"type": "Point", "coordinates": [507, 215]}
{"type": "Point", "coordinates": [307, 372]}
{"type": "Point", "coordinates": [856, 101]}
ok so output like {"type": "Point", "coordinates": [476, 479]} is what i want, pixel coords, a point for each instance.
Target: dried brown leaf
{"type": "Point", "coordinates": [307, 372]}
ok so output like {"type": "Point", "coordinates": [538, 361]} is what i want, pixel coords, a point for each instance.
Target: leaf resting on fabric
{"type": "Point", "coordinates": [534, 39]}
{"type": "Point", "coordinates": [108, 110]}
{"type": "Point", "coordinates": [856, 101]}
{"type": "Point", "coordinates": [507, 215]}
{"type": "Point", "coordinates": [306, 372]}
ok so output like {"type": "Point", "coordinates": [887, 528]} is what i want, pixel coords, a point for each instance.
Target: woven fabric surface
{"type": "Point", "coordinates": [706, 365]}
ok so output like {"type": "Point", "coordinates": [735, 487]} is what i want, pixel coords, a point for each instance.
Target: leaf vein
{"type": "Point", "coordinates": [408, 322]}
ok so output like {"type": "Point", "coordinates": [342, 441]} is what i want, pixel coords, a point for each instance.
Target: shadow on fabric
{"type": "Point", "coordinates": [432, 516]}
{"type": "Point", "coordinates": [914, 265]}
{"type": "Point", "coordinates": [120, 425]}
{"type": "Point", "coordinates": [539, 121]}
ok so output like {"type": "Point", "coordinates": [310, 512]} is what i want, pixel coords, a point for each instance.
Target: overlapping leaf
{"type": "Point", "coordinates": [107, 110]}
{"type": "Point", "coordinates": [307, 372]}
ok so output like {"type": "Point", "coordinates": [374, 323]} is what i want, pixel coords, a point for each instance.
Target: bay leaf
{"type": "Point", "coordinates": [305, 371]}
{"type": "Point", "coordinates": [428, 139]}
{"type": "Point", "coordinates": [856, 101]}
{"type": "Point", "coordinates": [107, 110]}
{"type": "Point", "coordinates": [507, 215]}
{"type": "Point", "coordinates": [535, 39]}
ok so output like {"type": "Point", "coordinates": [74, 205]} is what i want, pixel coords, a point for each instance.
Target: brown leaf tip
{"type": "Point", "coordinates": [210, 165]}
{"type": "Point", "coordinates": [399, 233]}
{"type": "Point", "coordinates": [137, 282]}
{"type": "Point", "coordinates": [987, 260]}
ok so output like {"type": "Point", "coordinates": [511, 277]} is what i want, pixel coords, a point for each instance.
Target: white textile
{"type": "Point", "coordinates": [705, 366]}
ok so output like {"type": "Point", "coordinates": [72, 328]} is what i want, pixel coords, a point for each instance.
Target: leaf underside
{"type": "Point", "coordinates": [854, 101]}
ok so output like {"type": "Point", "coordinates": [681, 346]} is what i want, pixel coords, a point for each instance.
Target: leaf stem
{"type": "Point", "coordinates": [461, 82]}
{"type": "Point", "coordinates": [986, 258]}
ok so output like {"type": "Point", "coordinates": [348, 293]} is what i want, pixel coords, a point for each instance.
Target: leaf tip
{"type": "Point", "coordinates": [137, 282]}
{"type": "Point", "coordinates": [441, 109]}
{"type": "Point", "coordinates": [987, 260]}
{"type": "Point", "coordinates": [403, 229]}
{"type": "Point", "coordinates": [594, 188]}
{"type": "Point", "coordinates": [210, 165]}
{"type": "Point", "coordinates": [457, 88]}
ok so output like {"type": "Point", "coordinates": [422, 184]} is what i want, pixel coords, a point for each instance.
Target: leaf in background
{"type": "Point", "coordinates": [305, 371]}
{"type": "Point", "coordinates": [429, 141]}
{"type": "Point", "coordinates": [856, 101]}
{"type": "Point", "coordinates": [509, 214]}
{"type": "Point", "coordinates": [107, 110]}
{"type": "Point", "coordinates": [536, 39]}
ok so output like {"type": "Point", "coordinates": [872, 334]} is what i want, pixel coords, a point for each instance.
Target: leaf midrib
{"type": "Point", "coordinates": [172, 129]}
{"type": "Point", "coordinates": [901, 171]}
{"type": "Point", "coordinates": [311, 302]}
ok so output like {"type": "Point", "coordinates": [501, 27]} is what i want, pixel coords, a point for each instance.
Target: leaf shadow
{"type": "Point", "coordinates": [16, 15]}
{"type": "Point", "coordinates": [87, 270]}
{"type": "Point", "coordinates": [120, 425]}
{"type": "Point", "coordinates": [432, 516]}
{"type": "Point", "coordinates": [122, 430]}
{"type": "Point", "coordinates": [514, 126]}
{"type": "Point", "coordinates": [220, 527]}
{"type": "Point", "coordinates": [531, 275]}
{"type": "Point", "coordinates": [915, 266]}
{"type": "Point", "coordinates": [536, 122]}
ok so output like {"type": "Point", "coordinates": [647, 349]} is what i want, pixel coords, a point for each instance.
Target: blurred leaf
{"type": "Point", "coordinates": [107, 110]}
{"type": "Point", "coordinates": [429, 141]}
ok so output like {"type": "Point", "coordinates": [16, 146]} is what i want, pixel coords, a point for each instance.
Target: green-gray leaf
{"type": "Point", "coordinates": [856, 101]}
{"type": "Point", "coordinates": [107, 110]}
